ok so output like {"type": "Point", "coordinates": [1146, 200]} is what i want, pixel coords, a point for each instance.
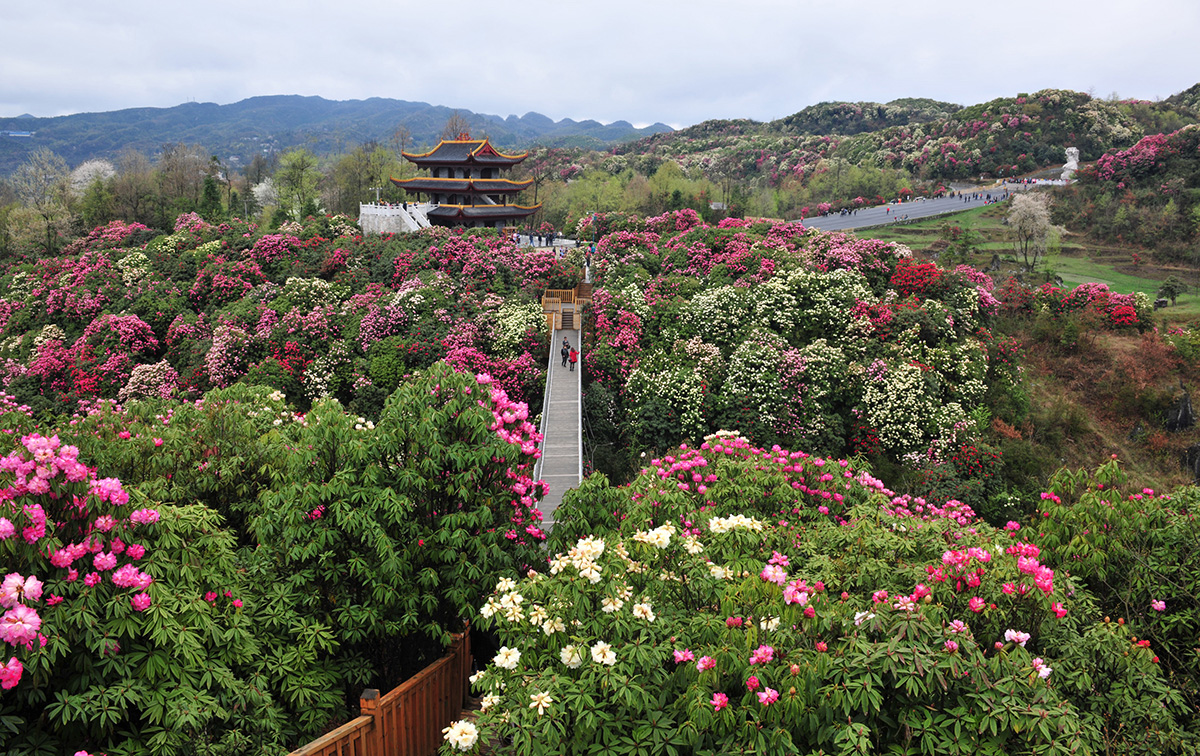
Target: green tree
{"type": "Point", "coordinates": [41, 184]}
{"type": "Point", "coordinates": [296, 181]}
{"type": "Point", "coordinates": [210, 201]}
{"type": "Point", "coordinates": [98, 204]}
{"type": "Point", "coordinates": [1171, 288]}
{"type": "Point", "coordinates": [1029, 219]}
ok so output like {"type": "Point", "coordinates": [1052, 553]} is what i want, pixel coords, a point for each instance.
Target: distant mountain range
{"type": "Point", "coordinates": [262, 124]}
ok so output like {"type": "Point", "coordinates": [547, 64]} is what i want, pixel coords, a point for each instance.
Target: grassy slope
{"type": "Point", "coordinates": [1108, 395]}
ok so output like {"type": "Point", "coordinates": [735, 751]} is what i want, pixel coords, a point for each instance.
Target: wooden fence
{"type": "Point", "coordinates": [408, 720]}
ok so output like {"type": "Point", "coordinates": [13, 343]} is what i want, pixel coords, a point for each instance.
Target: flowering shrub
{"type": "Point", "coordinates": [733, 614]}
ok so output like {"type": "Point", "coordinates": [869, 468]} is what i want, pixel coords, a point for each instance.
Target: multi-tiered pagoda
{"type": "Point", "coordinates": [464, 185]}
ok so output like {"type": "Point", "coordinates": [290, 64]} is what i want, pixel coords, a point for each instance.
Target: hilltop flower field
{"type": "Point", "coordinates": [247, 474]}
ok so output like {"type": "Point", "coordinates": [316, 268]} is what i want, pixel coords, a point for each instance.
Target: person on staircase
{"type": "Point", "coordinates": [566, 351]}
{"type": "Point", "coordinates": [574, 359]}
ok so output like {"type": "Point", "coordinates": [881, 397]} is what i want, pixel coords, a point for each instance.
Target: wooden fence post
{"type": "Point", "coordinates": [368, 706]}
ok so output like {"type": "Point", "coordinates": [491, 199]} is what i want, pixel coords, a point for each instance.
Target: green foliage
{"type": "Point", "coordinates": [659, 628]}
{"type": "Point", "coordinates": [388, 531]}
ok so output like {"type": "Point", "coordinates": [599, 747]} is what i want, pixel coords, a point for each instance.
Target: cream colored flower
{"type": "Point", "coordinates": [602, 653]}
{"type": "Point", "coordinates": [488, 701]}
{"type": "Point", "coordinates": [552, 626]}
{"type": "Point", "coordinates": [541, 702]}
{"type": "Point", "coordinates": [507, 658]}
{"type": "Point", "coordinates": [571, 656]}
{"type": "Point", "coordinates": [461, 734]}
{"type": "Point", "coordinates": [590, 572]}
{"type": "Point", "coordinates": [610, 604]}
{"type": "Point", "coordinates": [538, 615]}
{"type": "Point", "coordinates": [505, 585]}
{"type": "Point", "coordinates": [643, 611]}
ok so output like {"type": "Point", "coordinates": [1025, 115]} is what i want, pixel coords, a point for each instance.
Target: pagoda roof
{"type": "Point", "coordinates": [464, 152]}
{"type": "Point", "coordinates": [481, 212]}
{"type": "Point", "coordinates": [485, 186]}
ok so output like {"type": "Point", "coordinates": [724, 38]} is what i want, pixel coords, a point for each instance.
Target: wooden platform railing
{"type": "Point", "coordinates": [407, 720]}
{"type": "Point", "coordinates": [557, 301]}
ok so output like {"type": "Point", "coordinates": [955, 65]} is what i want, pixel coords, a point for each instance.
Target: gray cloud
{"type": "Point", "coordinates": [641, 61]}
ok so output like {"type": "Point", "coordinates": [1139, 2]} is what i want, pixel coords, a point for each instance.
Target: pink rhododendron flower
{"type": "Point", "coordinates": [237, 603]}
{"type": "Point", "coordinates": [950, 646]}
{"type": "Point", "coordinates": [684, 656]}
{"type": "Point", "coordinates": [1016, 636]}
{"type": "Point", "coordinates": [19, 625]}
{"type": "Point", "coordinates": [105, 560]}
{"type": "Point", "coordinates": [7, 530]}
{"type": "Point", "coordinates": [976, 604]}
{"type": "Point", "coordinates": [1158, 606]}
{"type": "Point", "coordinates": [1059, 610]}
{"type": "Point", "coordinates": [762, 655]}
{"type": "Point", "coordinates": [16, 589]}
{"type": "Point", "coordinates": [10, 673]}
{"type": "Point", "coordinates": [810, 612]}
{"type": "Point", "coordinates": [768, 696]}
{"type": "Point", "coordinates": [705, 663]}
{"type": "Point", "coordinates": [773, 573]}
{"type": "Point", "coordinates": [140, 602]}
{"type": "Point", "coordinates": [752, 683]}
{"type": "Point", "coordinates": [144, 516]}
{"type": "Point", "coordinates": [719, 701]}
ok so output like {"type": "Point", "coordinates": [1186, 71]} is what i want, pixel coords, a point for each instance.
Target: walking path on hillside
{"type": "Point", "coordinates": [883, 215]}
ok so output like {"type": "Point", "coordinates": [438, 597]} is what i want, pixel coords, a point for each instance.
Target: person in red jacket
{"type": "Point", "coordinates": [574, 358]}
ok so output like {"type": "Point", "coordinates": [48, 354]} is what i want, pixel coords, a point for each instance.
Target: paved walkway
{"type": "Point", "coordinates": [561, 465]}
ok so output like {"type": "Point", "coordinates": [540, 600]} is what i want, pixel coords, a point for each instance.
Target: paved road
{"type": "Point", "coordinates": [881, 216]}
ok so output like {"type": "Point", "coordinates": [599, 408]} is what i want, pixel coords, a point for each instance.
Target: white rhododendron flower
{"type": "Point", "coordinates": [571, 656]}
{"type": "Point", "coordinates": [719, 572]}
{"type": "Point", "coordinates": [461, 734]}
{"type": "Point", "coordinates": [507, 658]}
{"type": "Point", "coordinates": [488, 701]}
{"type": "Point", "coordinates": [602, 653]}
{"type": "Point", "coordinates": [538, 615]}
{"type": "Point", "coordinates": [505, 585]}
{"type": "Point", "coordinates": [541, 702]}
{"type": "Point", "coordinates": [552, 626]}
{"type": "Point", "coordinates": [726, 524]}
{"type": "Point", "coordinates": [643, 611]}
{"type": "Point", "coordinates": [610, 604]}
{"type": "Point", "coordinates": [590, 572]}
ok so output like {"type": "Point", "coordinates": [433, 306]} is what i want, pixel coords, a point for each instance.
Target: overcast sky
{"type": "Point", "coordinates": [674, 61]}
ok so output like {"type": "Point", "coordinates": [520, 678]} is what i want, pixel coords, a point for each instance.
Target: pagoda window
{"type": "Point", "coordinates": [486, 173]}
